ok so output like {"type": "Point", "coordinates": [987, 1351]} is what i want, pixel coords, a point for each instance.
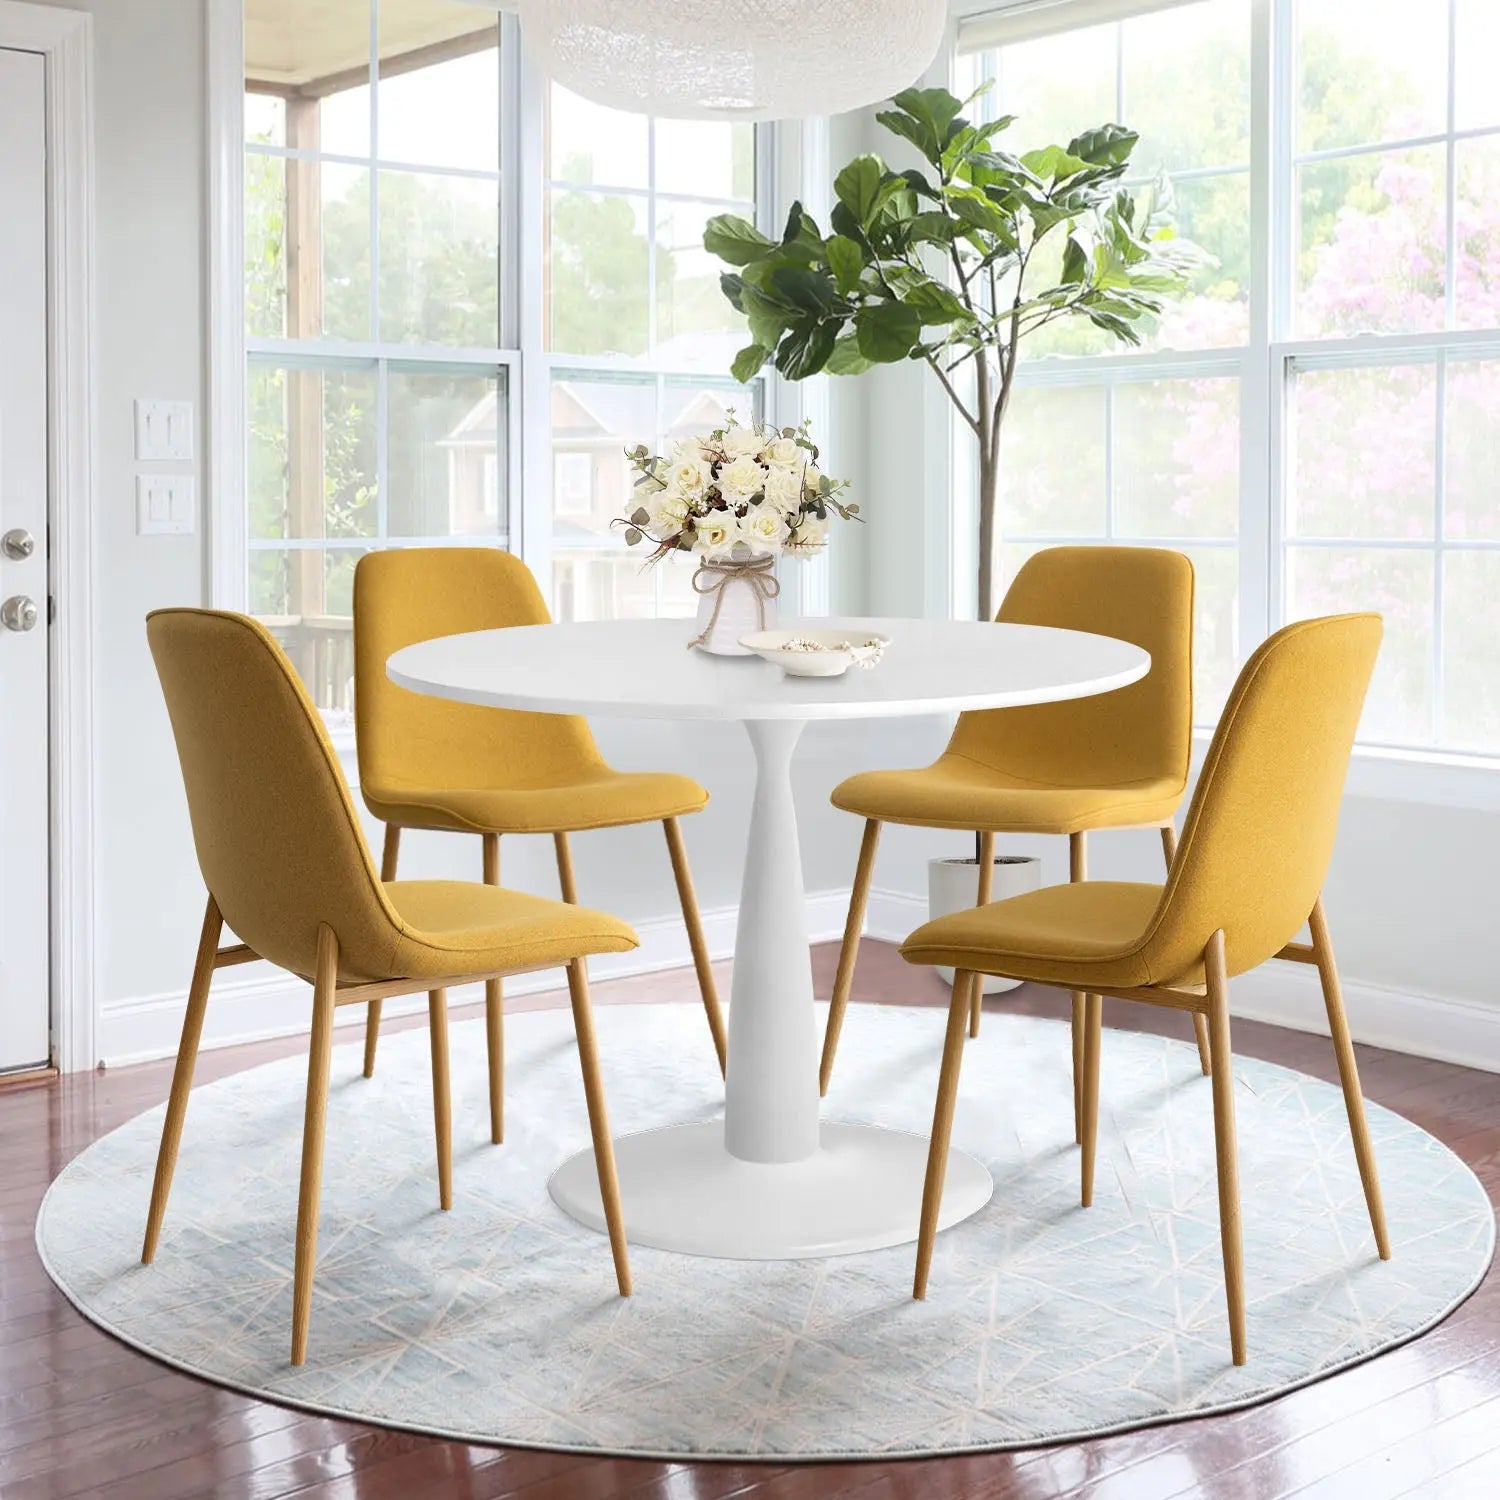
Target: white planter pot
{"type": "Point", "coordinates": [953, 884]}
{"type": "Point", "coordinates": [743, 608]}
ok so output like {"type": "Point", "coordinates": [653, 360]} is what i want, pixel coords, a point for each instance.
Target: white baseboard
{"type": "Point", "coordinates": [258, 1002]}
{"type": "Point", "coordinates": [1442, 1027]}
{"type": "Point", "coordinates": [1466, 1032]}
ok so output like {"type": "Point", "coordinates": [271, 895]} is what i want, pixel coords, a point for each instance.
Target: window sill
{"type": "Point", "coordinates": [1429, 777]}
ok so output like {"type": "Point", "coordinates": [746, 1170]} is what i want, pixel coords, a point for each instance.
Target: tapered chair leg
{"type": "Point", "coordinates": [388, 857]}
{"type": "Point", "coordinates": [1078, 869]}
{"type": "Point", "coordinates": [1200, 1023]}
{"type": "Point", "coordinates": [1093, 1045]}
{"type": "Point", "coordinates": [986, 887]}
{"type": "Point", "coordinates": [319, 1053]}
{"type": "Point", "coordinates": [942, 1131]}
{"type": "Point", "coordinates": [442, 1100]}
{"type": "Point", "coordinates": [494, 1012]}
{"type": "Point", "coordinates": [182, 1075]}
{"type": "Point", "coordinates": [682, 873]}
{"type": "Point", "coordinates": [566, 884]}
{"type": "Point", "coordinates": [1343, 1047]}
{"type": "Point", "coordinates": [593, 1092]}
{"type": "Point", "coordinates": [1224, 1144]}
{"type": "Point", "coordinates": [854, 923]}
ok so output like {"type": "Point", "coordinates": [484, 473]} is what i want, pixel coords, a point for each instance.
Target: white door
{"type": "Point", "coordinates": [25, 1009]}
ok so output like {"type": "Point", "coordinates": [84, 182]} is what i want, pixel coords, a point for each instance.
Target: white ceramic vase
{"type": "Point", "coordinates": [744, 607]}
{"type": "Point", "coordinates": [953, 884]}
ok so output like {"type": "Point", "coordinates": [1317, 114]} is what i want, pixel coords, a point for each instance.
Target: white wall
{"type": "Point", "coordinates": [151, 254]}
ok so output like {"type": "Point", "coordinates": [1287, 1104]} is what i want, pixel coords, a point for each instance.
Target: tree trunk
{"type": "Point", "coordinates": [989, 485]}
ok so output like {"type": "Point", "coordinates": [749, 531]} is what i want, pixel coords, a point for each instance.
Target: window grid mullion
{"type": "Point", "coordinates": [373, 170]}
{"type": "Point", "coordinates": [1439, 526]}
{"type": "Point", "coordinates": [382, 449]}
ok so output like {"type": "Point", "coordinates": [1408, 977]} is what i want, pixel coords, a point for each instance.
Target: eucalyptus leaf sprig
{"type": "Point", "coordinates": [939, 265]}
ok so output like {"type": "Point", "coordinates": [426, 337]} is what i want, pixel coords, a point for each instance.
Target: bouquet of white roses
{"type": "Point", "coordinates": [745, 490]}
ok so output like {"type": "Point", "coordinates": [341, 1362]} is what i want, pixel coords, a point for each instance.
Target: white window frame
{"type": "Point", "coordinates": [791, 162]}
{"type": "Point", "coordinates": [1266, 368]}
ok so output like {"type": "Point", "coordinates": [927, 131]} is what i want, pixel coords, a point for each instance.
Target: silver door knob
{"type": "Point", "coordinates": [18, 544]}
{"type": "Point", "coordinates": [18, 613]}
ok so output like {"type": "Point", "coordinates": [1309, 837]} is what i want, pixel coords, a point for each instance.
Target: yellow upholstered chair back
{"type": "Point", "coordinates": [277, 835]}
{"type": "Point", "coordinates": [1143, 732]}
{"type": "Point", "coordinates": [1259, 833]}
{"type": "Point", "coordinates": [409, 740]}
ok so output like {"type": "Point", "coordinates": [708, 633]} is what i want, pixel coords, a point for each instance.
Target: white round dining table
{"type": "Point", "coordinates": [770, 1180]}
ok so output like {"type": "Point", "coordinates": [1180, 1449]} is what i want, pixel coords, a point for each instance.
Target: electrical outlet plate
{"type": "Point", "coordinates": [163, 431]}
{"type": "Point", "coordinates": [165, 505]}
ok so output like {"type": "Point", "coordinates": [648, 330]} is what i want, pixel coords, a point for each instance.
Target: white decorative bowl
{"type": "Point", "coordinates": [829, 653]}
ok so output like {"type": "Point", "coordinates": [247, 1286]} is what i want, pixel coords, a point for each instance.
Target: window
{"type": "Point", "coordinates": [1318, 422]}
{"type": "Point", "coordinates": [638, 335]}
{"type": "Point", "coordinates": [395, 246]}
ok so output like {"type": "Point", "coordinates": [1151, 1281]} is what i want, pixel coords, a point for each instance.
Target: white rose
{"type": "Point", "coordinates": [763, 528]}
{"type": "Point", "coordinates": [688, 451]}
{"type": "Point", "coordinates": [742, 442]}
{"type": "Point", "coordinates": [783, 451]}
{"type": "Point", "coordinates": [812, 478]}
{"type": "Point", "coordinates": [741, 477]}
{"type": "Point", "coordinates": [669, 511]}
{"type": "Point", "coordinates": [717, 534]}
{"type": "Point", "coordinates": [688, 475]}
{"type": "Point", "coordinates": [784, 490]}
{"type": "Point", "coordinates": [811, 535]}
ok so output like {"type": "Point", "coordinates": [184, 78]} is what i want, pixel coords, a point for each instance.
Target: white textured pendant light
{"type": "Point", "coordinates": [737, 59]}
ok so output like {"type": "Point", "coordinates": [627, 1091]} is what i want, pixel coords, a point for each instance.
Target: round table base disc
{"type": "Point", "coordinates": [681, 1190]}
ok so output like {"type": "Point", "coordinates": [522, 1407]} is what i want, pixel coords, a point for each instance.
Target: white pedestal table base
{"type": "Point", "coordinates": [681, 1190]}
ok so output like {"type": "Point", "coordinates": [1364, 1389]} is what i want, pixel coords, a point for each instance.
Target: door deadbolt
{"type": "Point", "coordinates": [18, 544]}
{"type": "Point", "coordinates": [18, 613]}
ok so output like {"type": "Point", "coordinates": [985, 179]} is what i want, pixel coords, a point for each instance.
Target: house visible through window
{"type": "Point", "coordinates": [385, 298]}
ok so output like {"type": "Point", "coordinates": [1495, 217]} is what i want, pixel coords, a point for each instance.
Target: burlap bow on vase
{"type": "Point", "coordinates": [736, 596]}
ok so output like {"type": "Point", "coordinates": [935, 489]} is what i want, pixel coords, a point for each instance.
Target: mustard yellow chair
{"type": "Point", "coordinates": [286, 866]}
{"type": "Point", "coordinates": [1116, 760]}
{"type": "Point", "coordinates": [1255, 850]}
{"type": "Point", "coordinates": [462, 768]}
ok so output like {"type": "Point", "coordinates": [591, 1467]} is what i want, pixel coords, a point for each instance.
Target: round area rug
{"type": "Point", "coordinates": [498, 1322]}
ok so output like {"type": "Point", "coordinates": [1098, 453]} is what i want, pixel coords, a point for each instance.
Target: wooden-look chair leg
{"type": "Point", "coordinates": [687, 898]}
{"type": "Point", "coordinates": [388, 857]}
{"type": "Point", "coordinates": [1224, 1144]}
{"type": "Point", "coordinates": [1200, 1022]}
{"type": "Point", "coordinates": [593, 1091]}
{"type": "Point", "coordinates": [442, 1099]}
{"type": "Point", "coordinates": [853, 925]}
{"type": "Point", "coordinates": [182, 1075]}
{"type": "Point", "coordinates": [319, 1052]}
{"type": "Point", "coordinates": [1093, 1046]}
{"type": "Point", "coordinates": [494, 1012]}
{"type": "Point", "coordinates": [565, 881]}
{"type": "Point", "coordinates": [986, 886]}
{"type": "Point", "coordinates": [942, 1131]}
{"type": "Point", "coordinates": [1343, 1047]}
{"type": "Point", "coordinates": [1078, 869]}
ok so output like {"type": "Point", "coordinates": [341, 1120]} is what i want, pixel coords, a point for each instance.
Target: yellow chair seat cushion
{"type": "Point", "coordinates": [956, 792]}
{"type": "Point", "coordinates": [462, 927]}
{"type": "Point", "coordinates": [1084, 936]}
{"type": "Point", "coordinates": [603, 799]}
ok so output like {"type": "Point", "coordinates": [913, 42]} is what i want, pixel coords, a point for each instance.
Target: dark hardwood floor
{"type": "Point", "coordinates": [81, 1415]}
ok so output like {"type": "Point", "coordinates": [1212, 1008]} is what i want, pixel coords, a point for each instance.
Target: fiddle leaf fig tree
{"type": "Point", "coordinates": [955, 265]}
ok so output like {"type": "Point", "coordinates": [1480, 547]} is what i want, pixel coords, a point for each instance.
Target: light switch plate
{"type": "Point", "coordinates": [165, 505]}
{"type": "Point", "coordinates": [163, 431]}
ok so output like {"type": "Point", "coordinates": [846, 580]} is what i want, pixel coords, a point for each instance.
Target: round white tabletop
{"type": "Point", "coordinates": [769, 1181]}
